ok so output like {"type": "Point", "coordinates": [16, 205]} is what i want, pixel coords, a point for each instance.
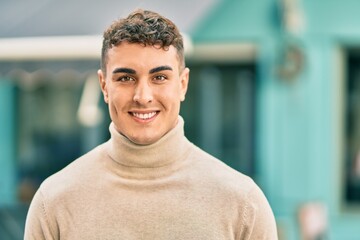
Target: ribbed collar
{"type": "Point", "coordinates": [172, 147]}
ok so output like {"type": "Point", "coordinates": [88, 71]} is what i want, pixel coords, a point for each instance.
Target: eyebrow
{"type": "Point", "coordinates": [132, 71]}
{"type": "Point", "coordinates": [160, 68]}
{"type": "Point", "coordinates": [124, 70]}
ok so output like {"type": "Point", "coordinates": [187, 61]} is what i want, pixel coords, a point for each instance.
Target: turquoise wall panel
{"type": "Point", "coordinates": [332, 16]}
{"type": "Point", "coordinates": [7, 143]}
{"type": "Point", "coordinates": [238, 19]}
{"type": "Point", "coordinates": [299, 123]}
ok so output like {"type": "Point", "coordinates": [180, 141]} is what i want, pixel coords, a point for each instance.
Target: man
{"type": "Point", "coordinates": [148, 181]}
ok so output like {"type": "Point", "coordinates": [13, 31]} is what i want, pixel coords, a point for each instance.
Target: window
{"type": "Point", "coordinates": [50, 133]}
{"type": "Point", "coordinates": [219, 112]}
{"type": "Point", "coordinates": [352, 127]}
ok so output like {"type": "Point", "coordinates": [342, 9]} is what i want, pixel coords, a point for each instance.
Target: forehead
{"type": "Point", "coordinates": [139, 56]}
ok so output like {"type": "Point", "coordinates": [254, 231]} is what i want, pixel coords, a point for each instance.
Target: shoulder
{"type": "Point", "coordinates": [74, 175]}
{"type": "Point", "coordinates": [226, 181]}
{"type": "Point", "coordinates": [220, 174]}
{"type": "Point", "coordinates": [258, 216]}
{"type": "Point", "coordinates": [241, 193]}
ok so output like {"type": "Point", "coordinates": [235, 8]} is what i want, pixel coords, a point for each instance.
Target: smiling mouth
{"type": "Point", "coordinates": [144, 116]}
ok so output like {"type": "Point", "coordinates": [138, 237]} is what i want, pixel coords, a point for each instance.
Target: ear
{"type": "Point", "coordinates": [102, 81]}
{"type": "Point", "coordinates": [184, 78]}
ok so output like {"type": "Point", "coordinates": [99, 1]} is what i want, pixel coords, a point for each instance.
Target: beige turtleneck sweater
{"type": "Point", "coordinates": [168, 190]}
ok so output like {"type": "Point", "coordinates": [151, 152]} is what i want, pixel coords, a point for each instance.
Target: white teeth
{"type": "Point", "coordinates": [144, 116]}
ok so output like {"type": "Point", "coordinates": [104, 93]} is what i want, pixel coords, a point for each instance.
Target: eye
{"type": "Point", "coordinates": [159, 78]}
{"type": "Point", "coordinates": [125, 79]}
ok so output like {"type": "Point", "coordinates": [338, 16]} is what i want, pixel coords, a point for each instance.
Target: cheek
{"type": "Point", "coordinates": [120, 101]}
{"type": "Point", "coordinates": [173, 93]}
{"type": "Point", "coordinates": [173, 101]}
{"type": "Point", "coordinates": [112, 110]}
{"type": "Point", "coordinates": [118, 97]}
{"type": "Point", "coordinates": [115, 103]}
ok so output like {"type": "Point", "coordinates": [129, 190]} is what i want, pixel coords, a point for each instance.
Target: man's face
{"type": "Point", "coordinates": [143, 87]}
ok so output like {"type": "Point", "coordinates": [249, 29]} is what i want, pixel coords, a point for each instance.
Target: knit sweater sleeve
{"type": "Point", "coordinates": [38, 225]}
{"type": "Point", "coordinates": [258, 217]}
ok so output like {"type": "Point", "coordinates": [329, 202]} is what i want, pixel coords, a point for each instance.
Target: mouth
{"type": "Point", "coordinates": [144, 116]}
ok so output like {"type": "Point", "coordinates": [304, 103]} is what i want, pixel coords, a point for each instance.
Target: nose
{"type": "Point", "coordinates": [143, 93]}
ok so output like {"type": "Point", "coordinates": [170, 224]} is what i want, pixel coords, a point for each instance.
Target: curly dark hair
{"type": "Point", "coordinates": [143, 27]}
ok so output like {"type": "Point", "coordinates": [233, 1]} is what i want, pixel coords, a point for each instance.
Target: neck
{"type": "Point", "coordinates": [167, 150]}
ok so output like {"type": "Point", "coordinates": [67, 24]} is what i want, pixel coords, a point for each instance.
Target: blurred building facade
{"type": "Point", "coordinates": [274, 92]}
